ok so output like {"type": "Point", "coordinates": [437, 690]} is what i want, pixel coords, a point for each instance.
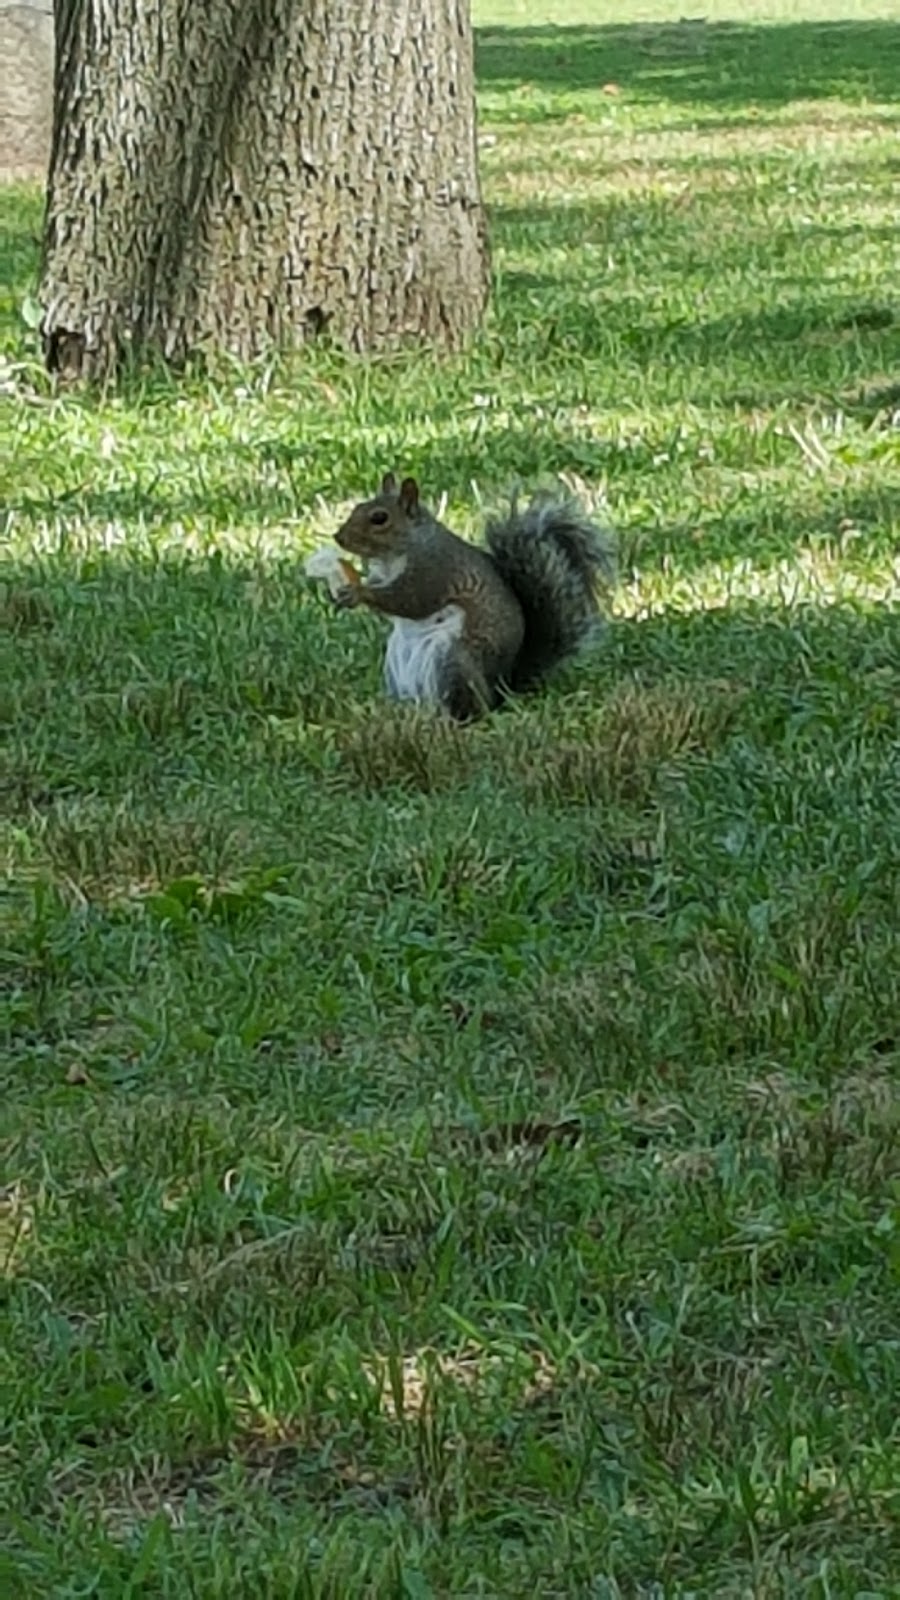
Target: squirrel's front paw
{"type": "Point", "coordinates": [347, 597]}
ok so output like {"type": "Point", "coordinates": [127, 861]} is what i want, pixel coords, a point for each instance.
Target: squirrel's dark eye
{"type": "Point", "coordinates": [379, 518]}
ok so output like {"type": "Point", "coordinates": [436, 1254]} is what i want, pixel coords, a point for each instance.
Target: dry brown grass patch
{"type": "Point", "coordinates": [23, 608]}
{"type": "Point", "coordinates": [16, 1228]}
{"type": "Point", "coordinates": [619, 750]}
{"type": "Point", "coordinates": [411, 1385]}
{"type": "Point", "coordinates": [402, 747]}
{"type": "Point", "coordinates": [101, 853]}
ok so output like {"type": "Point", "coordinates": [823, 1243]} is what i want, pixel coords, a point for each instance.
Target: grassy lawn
{"type": "Point", "coordinates": [466, 1163]}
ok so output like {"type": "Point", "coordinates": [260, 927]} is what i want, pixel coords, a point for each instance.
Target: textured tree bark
{"type": "Point", "coordinates": [229, 175]}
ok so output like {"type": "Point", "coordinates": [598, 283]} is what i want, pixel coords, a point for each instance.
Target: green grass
{"type": "Point", "coordinates": [466, 1163]}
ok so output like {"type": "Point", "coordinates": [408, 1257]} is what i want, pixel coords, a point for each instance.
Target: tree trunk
{"type": "Point", "coordinates": [232, 175]}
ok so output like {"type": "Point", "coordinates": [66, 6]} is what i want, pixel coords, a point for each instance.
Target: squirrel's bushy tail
{"type": "Point", "coordinates": [554, 558]}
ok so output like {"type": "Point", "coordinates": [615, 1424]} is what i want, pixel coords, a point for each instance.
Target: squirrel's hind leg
{"type": "Point", "coordinates": [463, 689]}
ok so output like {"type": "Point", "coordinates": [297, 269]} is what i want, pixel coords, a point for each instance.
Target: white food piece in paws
{"type": "Point", "coordinates": [329, 564]}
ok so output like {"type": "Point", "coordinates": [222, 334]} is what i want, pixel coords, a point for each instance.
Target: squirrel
{"type": "Point", "coordinates": [473, 625]}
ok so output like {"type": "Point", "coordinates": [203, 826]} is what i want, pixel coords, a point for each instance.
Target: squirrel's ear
{"type": "Point", "coordinates": [389, 484]}
{"type": "Point", "coordinates": [409, 495]}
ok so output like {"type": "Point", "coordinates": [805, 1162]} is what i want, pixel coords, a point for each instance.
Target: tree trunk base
{"type": "Point", "coordinates": [252, 174]}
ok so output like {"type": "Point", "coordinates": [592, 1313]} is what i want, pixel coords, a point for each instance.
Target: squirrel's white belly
{"type": "Point", "coordinates": [415, 652]}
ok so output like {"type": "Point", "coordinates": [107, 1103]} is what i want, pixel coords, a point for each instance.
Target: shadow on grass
{"type": "Point", "coordinates": [705, 64]}
{"type": "Point", "coordinates": [181, 720]}
{"type": "Point", "coordinates": [740, 300]}
{"type": "Point", "coordinates": [602, 317]}
{"type": "Point", "coordinates": [129, 672]}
